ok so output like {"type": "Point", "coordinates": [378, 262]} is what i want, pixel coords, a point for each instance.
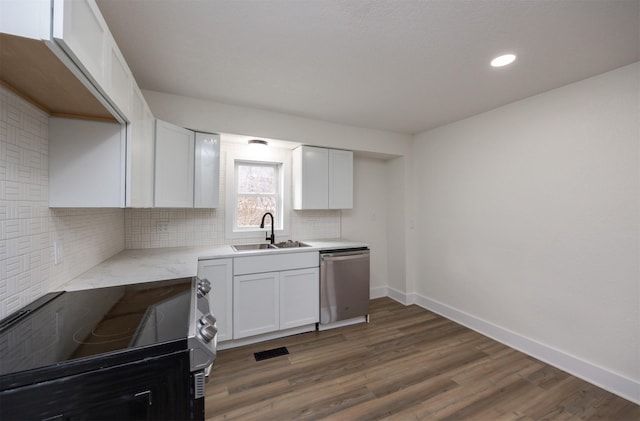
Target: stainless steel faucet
{"type": "Point", "coordinates": [271, 238]}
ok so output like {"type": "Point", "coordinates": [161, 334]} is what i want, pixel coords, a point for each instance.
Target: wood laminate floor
{"type": "Point", "coordinates": [406, 364]}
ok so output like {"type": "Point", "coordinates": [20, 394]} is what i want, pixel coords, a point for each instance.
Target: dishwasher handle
{"type": "Point", "coordinates": [339, 256]}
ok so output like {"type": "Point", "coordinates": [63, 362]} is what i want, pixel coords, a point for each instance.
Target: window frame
{"type": "Point", "coordinates": [278, 193]}
{"type": "Point", "coordinates": [270, 156]}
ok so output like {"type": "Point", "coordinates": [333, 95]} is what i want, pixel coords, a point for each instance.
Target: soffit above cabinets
{"type": "Point", "coordinates": [31, 69]}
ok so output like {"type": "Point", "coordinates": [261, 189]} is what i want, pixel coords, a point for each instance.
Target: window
{"type": "Point", "coordinates": [256, 182]}
{"type": "Point", "coordinates": [258, 190]}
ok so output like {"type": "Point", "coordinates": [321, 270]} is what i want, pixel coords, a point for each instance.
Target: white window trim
{"type": "Point", "coordinates": [272, 156]}
{"type": "Point", "coordinates": [278, 216]}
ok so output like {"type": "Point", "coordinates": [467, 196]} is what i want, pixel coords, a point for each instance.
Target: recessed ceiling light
{"type": "Point", "coordinates": [503, 60]}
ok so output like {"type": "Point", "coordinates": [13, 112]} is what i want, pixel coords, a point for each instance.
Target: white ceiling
{"type": "Point", "coordinates": [403, 66]}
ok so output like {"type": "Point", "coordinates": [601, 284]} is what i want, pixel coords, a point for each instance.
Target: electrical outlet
{"type": "Point", "coordinates": [162, 226]}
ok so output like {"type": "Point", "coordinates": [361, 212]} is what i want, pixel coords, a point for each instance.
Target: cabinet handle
{"type": "Point", "coordinates": [146, 392]}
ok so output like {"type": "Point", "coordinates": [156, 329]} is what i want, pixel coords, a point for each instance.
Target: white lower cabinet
{"type": "Point", "coordinates": [260, 294]}
{"type": "Point", "coordinates": [220, 273]}
{"type": "Point", "coordinates": [255, 304]}
{"type": "Point", "coordinates": [271, 301]}
{"type": "Point", "coordinates": [299, 297]}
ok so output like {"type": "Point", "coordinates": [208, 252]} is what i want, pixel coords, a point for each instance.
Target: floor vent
{"type": "Point", "coordinates": [271, 353]}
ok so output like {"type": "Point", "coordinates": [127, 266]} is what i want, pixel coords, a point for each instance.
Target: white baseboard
{"type": "Point", "coordinates": [392, 293]}
{"type": "Point", "coordinates": [601, 377]}
{"type": "Point", "coordinates": [378, 292]}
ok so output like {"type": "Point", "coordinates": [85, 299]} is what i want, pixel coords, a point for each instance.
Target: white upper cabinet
{"type": "Point", "coordinates": [26, 18]}
{"type": "Point", "coordinates": [86, 163]}
{"type": "Point", "coordinates": [174, 166]}
{"type": "Point", "coordinates": [310, 178]}
{"type": "Point", "coordinates": [187, 167]}
{"type": "Point", "coordinates": [81, 31]}
{"type": "Point", "coordinates": [207, 170]}
{"type": "Point", "coordinates": [340, 179]}
{"type": "Point", "coordinates": [78, 36]}
{"type": "Point", "coordinates": [95, 163]}
{"type": "Point", "coordinates": [140, 151]}
{"type": "Point", "coordinates": [322, 178]}
{"type": "Point", "coordinates": [119, 84]}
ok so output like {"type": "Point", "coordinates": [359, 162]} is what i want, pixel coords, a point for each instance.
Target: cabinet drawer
{"type": "Point", "coordinates": [274, 262]}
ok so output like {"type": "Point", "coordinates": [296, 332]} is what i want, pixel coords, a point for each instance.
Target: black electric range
{"type": "Point", "coordinates": [133, 344]}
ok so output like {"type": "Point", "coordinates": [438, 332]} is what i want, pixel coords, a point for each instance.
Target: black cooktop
{"type": "Point", "coordinates": [67, 326]}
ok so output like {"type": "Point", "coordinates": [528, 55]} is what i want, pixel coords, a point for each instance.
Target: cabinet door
{"type": "Point", "coordinates": [340, 179]}
{"type": "Point", "coordinates": [140, 153]}
{"type": "Point", "coordinates": [81, 31]}
{"type": "Point", "coordinates": [173, 166]}
{"type": "Point", "coordinates": [26, 18]}
{"type": "Point", "coordinates": [299, 297]}
{"type": "Point", "coordinates": [86, 163]}
{"type": "Point", "coordinates": [207, 170]}
{"type": "Point", "coordinates": [220, 273]}
{"type": "Point", "coordinates": [310, 178]}
{"type": "Point", "coordinates": [119, 81]}
{"type": "Point", "coordinates": [255, 304]}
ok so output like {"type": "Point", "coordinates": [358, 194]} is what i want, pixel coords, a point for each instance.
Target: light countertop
{"type": "Point", "coordinates": [145, 265]}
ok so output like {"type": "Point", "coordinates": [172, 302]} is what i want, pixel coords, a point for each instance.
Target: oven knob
{"type": "Point", "coordinates": [208, 332]}
{"type": "Point", "coordinates": [212, 320]}
{"type": "Point", "coordinates": [204, 286]}
{"type": "Point", "coordinates": [207, 319]}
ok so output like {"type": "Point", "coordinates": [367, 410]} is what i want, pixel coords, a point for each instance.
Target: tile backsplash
{"type": "Point", "coordinates": [152, 228]}
{"type": "Point", "coordinates": [43, 248]}
{"type": "Point", "coordinates": [28, 228]}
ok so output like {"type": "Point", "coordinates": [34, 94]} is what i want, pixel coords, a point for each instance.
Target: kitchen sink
{"type": "Point", "coordinates": [251, 247]}
{"type": "Point", "coordinates": [290, 244]}
{"type": "Point", "coordinates": [267, 246]}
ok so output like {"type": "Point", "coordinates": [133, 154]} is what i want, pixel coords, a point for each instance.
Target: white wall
{"type": "Point", "coordinates": [396, 227]}
{"type": "Point", "coordinates": [368, 219]}
{"type": "Point", "coordinates": [28, 228]}
{"type": "Point", "coordinates": [530, 225]}
{"type": "Point", "coordinates": [216, 117]}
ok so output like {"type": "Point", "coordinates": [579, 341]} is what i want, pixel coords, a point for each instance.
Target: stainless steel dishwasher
{"type": "Point", "coordinates": [344, 284]}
